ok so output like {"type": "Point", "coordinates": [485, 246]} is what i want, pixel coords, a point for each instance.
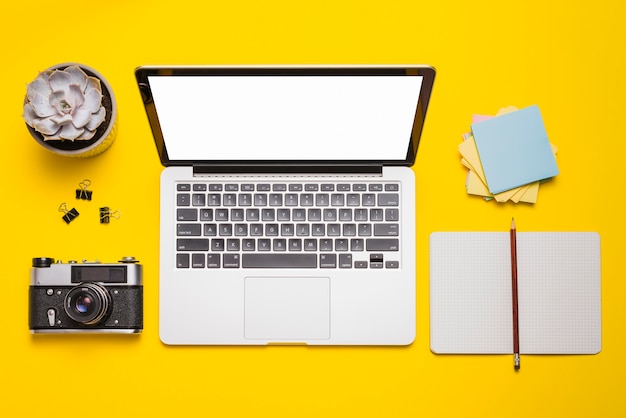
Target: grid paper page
{"type": "Point", "coordinates": [558, 287]}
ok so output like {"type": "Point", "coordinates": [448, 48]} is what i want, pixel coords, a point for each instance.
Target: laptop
{"type": "Point", "coordinates": [287, 202]}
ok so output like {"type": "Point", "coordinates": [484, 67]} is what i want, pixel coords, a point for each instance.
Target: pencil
{"type": "Point", "coordinates": [513, 236]}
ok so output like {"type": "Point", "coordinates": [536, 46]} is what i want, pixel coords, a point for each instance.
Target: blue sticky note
{"type": "Point", "coordinates": [514, 149]}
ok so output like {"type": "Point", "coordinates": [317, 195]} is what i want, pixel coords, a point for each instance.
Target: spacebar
{"type": "Point", "coordinates": [279, 261]}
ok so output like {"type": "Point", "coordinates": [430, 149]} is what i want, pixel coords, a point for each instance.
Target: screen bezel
{"type": "Point", "coordinates": [427, 73]}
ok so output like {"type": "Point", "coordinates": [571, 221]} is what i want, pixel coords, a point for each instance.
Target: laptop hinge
{"type": "Point", "coordinates": [367, 169]}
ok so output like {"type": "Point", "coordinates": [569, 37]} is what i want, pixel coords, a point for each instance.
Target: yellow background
{"type": "Point", "coordinates": [566, 57]}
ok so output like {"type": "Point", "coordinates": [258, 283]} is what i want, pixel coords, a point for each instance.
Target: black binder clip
{"type": "Point", "coordinates": [69, 214]}
{"type": "Point", "coordinates": [106, 214]}
{"type": "Point", "coordinates": [82, 193]}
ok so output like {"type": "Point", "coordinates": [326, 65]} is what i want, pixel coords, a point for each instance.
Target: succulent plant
{"type": "Point", "coordinates": [64, 104]}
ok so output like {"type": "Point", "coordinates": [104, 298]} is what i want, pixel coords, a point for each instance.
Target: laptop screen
{"type": "Point", "coordinates": [258, 115]}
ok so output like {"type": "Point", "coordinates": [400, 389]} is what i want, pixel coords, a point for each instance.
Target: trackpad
{"type": "Point", "coordinates": [284, 309]}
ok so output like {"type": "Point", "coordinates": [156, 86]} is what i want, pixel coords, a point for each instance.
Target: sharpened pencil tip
{"type": "Point", "coordinates": [512, 223]}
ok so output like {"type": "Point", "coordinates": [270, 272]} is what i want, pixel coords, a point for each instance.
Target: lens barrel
{"type": "Point", "coordinates": [87, 303]}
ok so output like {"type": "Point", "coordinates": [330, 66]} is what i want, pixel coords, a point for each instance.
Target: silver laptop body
{"type": "Point", "coordinates": [287, 202]}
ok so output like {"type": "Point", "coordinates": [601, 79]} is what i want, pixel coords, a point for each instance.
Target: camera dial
{"type": "Point", "coordinates": [42, 261]}
{"type": "Point", "coordinates": [87, 303]}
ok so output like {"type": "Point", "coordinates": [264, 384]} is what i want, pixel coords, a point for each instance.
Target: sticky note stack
{"type": "Point", "coordinates": [508, 155]}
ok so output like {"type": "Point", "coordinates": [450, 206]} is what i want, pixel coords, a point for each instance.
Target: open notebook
{"type": "Point", "coordinates": [558, 288]}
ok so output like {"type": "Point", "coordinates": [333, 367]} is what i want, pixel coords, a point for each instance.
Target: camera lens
{"type": "Point", "coordinates": [83, 303]}
{"type": "Point", "coordinates": [87, 303]}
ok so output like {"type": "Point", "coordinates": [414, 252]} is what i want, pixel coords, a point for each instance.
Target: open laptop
{"type": "Point", "coordinates": [287, 202]}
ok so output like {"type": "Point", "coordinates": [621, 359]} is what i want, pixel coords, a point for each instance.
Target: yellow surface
{"type": "Point", "coordinates": [565, 57]}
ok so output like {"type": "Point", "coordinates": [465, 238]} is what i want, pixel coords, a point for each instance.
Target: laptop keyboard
{"type": "Point", "coordinates": [287, 225]}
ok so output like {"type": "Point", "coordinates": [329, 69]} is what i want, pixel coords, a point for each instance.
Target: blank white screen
{"type": "Point", "coordinates": [286, 117]}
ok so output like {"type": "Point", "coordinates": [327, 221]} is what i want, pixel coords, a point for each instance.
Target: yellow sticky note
{"type": "Point", "coordinates": [475, 185]}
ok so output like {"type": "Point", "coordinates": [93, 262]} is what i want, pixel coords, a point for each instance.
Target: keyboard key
{"type": "Point", "coordinates": [221, 215]}
{"type": "Point", "coordinates": [197, 261]}
{"type": "Point", "coordinates": [354, 199]}
{"type": "Point", "coordinates": [276, 199]}
{"type": "Point", "coordinates": [210, 230]}
{"type": "Point", "coordinates": [328, 261]}
{"type": "Point", "coordinates": [183, 187]}
{"type": "Point", "coordinates": [357, 244]}
{"type": "Point", "coordinates": [182, 261]}
{"type": "Point", "coordinates": [245, 199]}
{"type": "Point", "coordinates": [264, 244]}
{"type": "Point", "coordinates": [349, 230]}
{"type": "Point", "coordinates": [322, 199]}
{"type": "Point", "coordinates": [226, 230]}
{"type": "Point", "coordinates": [198, 199]}
{"type": "Point", "coordinates": [310, 244]}
{"type": "Point", "coordinates": [330, 214]}
{"type": "Point", "coordinates": [236, 215]}
{"type": "Point", "coordinates": [241, 230]}
{"type": "Point", "coordinates": [333, 230]}
{"type": "Point", "coordinates": [345, 261]}
{"type": "Point", "coordinates": [287, 260]}
{"type": "Point", "coordinates": [365, 230]}
{"type": "Point", "coordinates": [376, 214]}
{"type": "Point", "coordinates": [360, 215]}
{"type": "Point", "coordinates": [187, 214]}
{"type": "Point", "coordinates": [248, 244]}
{"type": "Point", "coordinates": [214, 199]}
{"type": "Point", "coordinates": [231, 260]}
{"type": "Point", "coordinates": [252, 215]}
{"type": "Point", "coordinates": [192, 244]}
{"type": "Point", "coordinates": [306, 199]}
{"type": "Point", "coordinates": [279, 244]}
{"type": "Point", "coordinates": [183, 199]}
{"type": "Point", "coordinates": [389, 230]}
{"type": "Point", "coordinates": [295, 244]}
{"type": "Point", "coordinates": [345, 215]}
{"type": "Point", "coordinates": [230, 199]}
{"type": "Point", "coordinates": [341, 244]}
{"type": "Point", "coordinates": [388, 199]}
{"type": "Point", "coordinates": [213, 261]}
{"type": "Point", "coordinates": [194, 230]}
{"type": "Point", "coordinates": [382, 244]}
{"type": "Point", "coordinates": [260, 199]}
{"type": "Point", "coordinates": [268, 214]}
{"type": "Point", "coordinates": [392, 215]}
{"type": "Point", "coordinates": [369, 199]}
{"type": "Point", "coordinates": [291, 199]}
{"type": "Point", "coordinates": [326, 244]}
{"type": "Point", "coordinates": [206, 215]}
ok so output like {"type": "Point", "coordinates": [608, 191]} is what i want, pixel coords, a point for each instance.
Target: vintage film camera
{"type": "Point", "coordinates": [85, 297]}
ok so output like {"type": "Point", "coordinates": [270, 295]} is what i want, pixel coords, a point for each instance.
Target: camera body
{"type": "Point", "coordinates": [85, 297]}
